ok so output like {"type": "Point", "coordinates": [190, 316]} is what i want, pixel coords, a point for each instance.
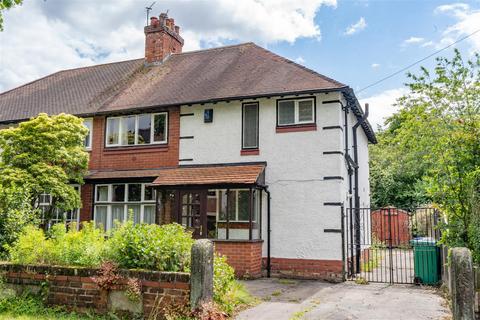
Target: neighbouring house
{"type": "Point", "coordinates": [242, 146]}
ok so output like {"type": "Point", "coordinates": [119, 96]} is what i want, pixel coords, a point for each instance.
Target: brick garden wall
{"type": "Point", "coordinates": [77, 289]}
{"type": "Point", "coordinates": [330, 270]}
{"type": "Point", "coordinates": [244, 256]}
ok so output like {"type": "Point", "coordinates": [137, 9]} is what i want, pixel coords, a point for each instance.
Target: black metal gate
{"type": "Point", "coordinates": [380, 243]}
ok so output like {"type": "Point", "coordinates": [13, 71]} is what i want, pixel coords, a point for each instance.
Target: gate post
{"type": "Point", "coordinates": [463, 293]}
{"type": "Point", "coordinates": [201, 278]}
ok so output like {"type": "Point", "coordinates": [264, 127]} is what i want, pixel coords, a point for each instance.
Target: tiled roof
{"type": "Point", "coordinates": [209, 175]}
{"type": "Point", "coordinates": [239, 71]}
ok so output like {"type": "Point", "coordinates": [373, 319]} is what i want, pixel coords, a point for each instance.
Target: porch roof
{"type": "Point", "coordinates": [240, 174]}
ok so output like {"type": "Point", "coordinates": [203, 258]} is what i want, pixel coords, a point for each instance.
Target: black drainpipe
{"type": "Point", "coordinates": [356, 196]}
{"type": "Point", "coordinates": [350, 185]}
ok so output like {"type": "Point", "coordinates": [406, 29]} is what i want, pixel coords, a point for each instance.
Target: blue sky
{"type": "Point", "coordinates": [355, 42]}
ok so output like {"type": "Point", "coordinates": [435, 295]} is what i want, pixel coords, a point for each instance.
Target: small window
{"type": "Point", "coordinates": [295, 111]}
{"type": "Point", "coordinates": [250, 126]}
{"type": "Point", "coordinates": [134, 192]}
{"type": "Point", "coordinates": [149, 193]}
{"type": "Point", "coordinates": [88, 123]}
{"type": "Point", "coordinates": [118, 193]}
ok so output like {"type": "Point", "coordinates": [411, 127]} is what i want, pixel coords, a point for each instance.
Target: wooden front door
{"type": "Point", "coordinates": [192, 211]}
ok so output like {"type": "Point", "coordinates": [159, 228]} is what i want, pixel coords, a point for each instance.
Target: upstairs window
{"type": "Point", "coordinates": [140, 129]}
{"type": "Point", "coordinates": [88, 123]}
{"type": "Point", "coordinates": [295, 111]}
{"type": "Point", "coordinates": [250, 126]}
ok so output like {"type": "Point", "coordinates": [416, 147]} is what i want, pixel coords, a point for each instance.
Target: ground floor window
{"type": "Point", "coordinates": [58, 216]}
{"type": "Point", "coordinates": [225, 214]}
{"type": "Point", "coordinates": [118, 202]}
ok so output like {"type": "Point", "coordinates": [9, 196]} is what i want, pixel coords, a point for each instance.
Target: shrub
{"type": "Point", "coordinates": [31, 247]}
{"type": "Point", "coordinates": [150, 246]}
{"type": "Point", "coordinates": [84, 247]}
{"type": "Point", "coordinates": [76, 248]}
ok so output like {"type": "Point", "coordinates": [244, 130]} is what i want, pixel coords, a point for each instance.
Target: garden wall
{"type": "Point", "coordinates": [84, 289]}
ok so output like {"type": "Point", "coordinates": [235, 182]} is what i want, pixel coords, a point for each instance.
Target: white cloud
{"type": "Point", "coordinates": [42, 37]}
{"type": "Point", "coordinates": [300, 60]}
{"type": "Point", "coordinates": [375, 65]}
{"type": "Point", "coordinates": [356, 27]}
{"type": "Point", "coordinates": [382, 105]}
{"type": "Point", "coordinates": [413, 40]}
{"type": "Point", "coordinates": [467, 22]}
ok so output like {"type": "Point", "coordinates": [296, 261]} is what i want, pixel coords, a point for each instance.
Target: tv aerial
{"type": "Point", "coordinates": [149, 8]}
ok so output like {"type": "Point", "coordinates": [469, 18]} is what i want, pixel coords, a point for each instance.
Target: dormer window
{"type": "Point", "coordinates": [295, 111]}
{"type": "Point", "coordinates": [150, 128]}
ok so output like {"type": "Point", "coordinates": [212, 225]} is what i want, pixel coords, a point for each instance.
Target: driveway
{"type": "Point", "coordinates": [295, 300]}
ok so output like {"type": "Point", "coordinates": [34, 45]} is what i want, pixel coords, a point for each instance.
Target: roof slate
{"type": "Point", "coordinates": [200, 76]}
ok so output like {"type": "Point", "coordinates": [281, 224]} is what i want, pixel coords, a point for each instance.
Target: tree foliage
{"type": "Point", "coordinates": [430, 150]}
{"type": "Point", "coordinates": [5, 5]}
{"type": "Point", "coordinates": [45, 155]}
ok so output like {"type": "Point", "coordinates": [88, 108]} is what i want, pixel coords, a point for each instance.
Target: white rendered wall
{"type": "Point", "coordinates": [296, 167]}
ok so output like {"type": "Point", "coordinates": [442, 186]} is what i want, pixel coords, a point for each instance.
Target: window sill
{"type": "Point", "coordinates": [297, 128]}
{"type": "Point", "coordinates": [249, 152]}
{"type": "Point", "coordinates": [137, 149]}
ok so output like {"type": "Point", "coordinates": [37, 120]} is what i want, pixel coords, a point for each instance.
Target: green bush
{"type": "Point", "coordinates": [150, 246]}
{"type": "Point", "coordinates": [74, 247]}
{"type": "Point", "coordinates": [31, 247]}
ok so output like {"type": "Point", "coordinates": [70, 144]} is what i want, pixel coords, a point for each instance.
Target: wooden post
{"type": "Point", "coordinates": [201, 278]}
{"type": "Point", "coordinates": [463, 294]}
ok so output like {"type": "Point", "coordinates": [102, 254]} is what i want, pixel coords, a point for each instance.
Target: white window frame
{"type": "Point", "coordinates": [125, 203]}
{"type": "Point", "coordinates": [90, 133]}
{"type": "Point", "coordinates": [57, 213]}
{"type": "Point", "coordinates": [296, 112]}
{"type": "Point", "coordinates": [152, 129]}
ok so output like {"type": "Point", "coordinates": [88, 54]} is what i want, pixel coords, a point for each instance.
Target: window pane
{"type": "Point", "coordinates": [118, 193]}
{"type": "Point", "coordinates": [244, 205]}
{"type": "Point", "coordinates": [149, 214]}
{"type": "Point", "coordinates": [305, 111]}
{"type": "Point", "coordinates": [250, 125]}
{"type": "Point", "coordinates": [118, 214]}
{"type": "Point", "coordinates": [101, 216]}
{"type": "Point", "coordinates": [134, 213]}
{"type": "Point", "coordinates": [149, 193]}
{"type": "Point", "coordinates": [128, 130]}
{"type": "Point", "coordinates": [160, 128]}
{"type": "Point", "coordinates": [102, 193]}
{"type": "Point", "coordinates": [113, 126]}
{"type": "Point", "coordinates": [286, 112]}
{"type": "Point", "coordinates": [222, 203]}
{"type": "Point", "coordinates": [134, 192]}
{"type": "Point", "coordinates": [88, 124]}
{"type": "Point", "coordinates": [144, 128]}
{"type": "Point", "coordinates": [232, 205]}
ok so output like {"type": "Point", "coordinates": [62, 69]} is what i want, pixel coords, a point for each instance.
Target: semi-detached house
{"type": "Point", "coordinates": [238, 144]}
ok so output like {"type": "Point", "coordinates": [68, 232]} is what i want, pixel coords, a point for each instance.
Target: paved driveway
{"type": "Point", "coordinates": [295, 300]}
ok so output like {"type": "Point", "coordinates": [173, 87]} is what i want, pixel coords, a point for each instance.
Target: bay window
{"type": "Point", "coordinates": [119, 202]}
{"type": "Point", "coordinates": [295, 111]}
{"type": "Point", "coordinates": [58, 216]}
{"type": "Point", "coordinates": [151, 128]}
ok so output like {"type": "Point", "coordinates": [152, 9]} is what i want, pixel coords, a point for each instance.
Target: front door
{"type": "Point", "coordinates": [192, 211]}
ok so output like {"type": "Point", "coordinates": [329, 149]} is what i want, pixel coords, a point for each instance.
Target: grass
{"type": "Point", "coordinates": [276, 293]}
{"type": "Point", "coordinates": [286, 281]}
{"type": "Point", "coordinates": [374, 260]}
{"type": "Point", "coordinates": [27, 307]}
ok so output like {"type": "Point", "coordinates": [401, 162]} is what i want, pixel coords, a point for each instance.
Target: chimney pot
{"type": "Point", "coordinates": [154, 21]}
{"type": "Point", "coordinates": [177, 29]}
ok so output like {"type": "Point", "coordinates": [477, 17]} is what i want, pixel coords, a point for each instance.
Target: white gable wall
{"type": "Point", "coordinates": [296, 168]}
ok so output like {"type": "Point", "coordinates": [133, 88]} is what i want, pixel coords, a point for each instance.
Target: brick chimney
{"type": "Point", "coordinates": [162, 38]}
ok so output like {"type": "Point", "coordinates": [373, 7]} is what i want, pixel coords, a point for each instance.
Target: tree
{"type": "Point", "coordinates": [5, 5]}
{"type": "Point", "coordinates": [432, 144]}
{"type": "Point", "coordinates": [45, 155]}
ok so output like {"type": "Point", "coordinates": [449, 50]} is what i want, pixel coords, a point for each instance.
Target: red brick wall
{"type": "Point", "coordinates": [330, 270]}
{"type": "Point", "coordinates": [86, 211]}
{"type": "Point", "coordinates": [76, 287]}
{"type": "Point", "coordinates": [244, 256]}
{"type": "Point", "coordinates": [136, 157]}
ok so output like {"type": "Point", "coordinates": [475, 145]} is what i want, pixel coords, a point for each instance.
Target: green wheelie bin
{"type": "Point", "coordinates": [426, 259]}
